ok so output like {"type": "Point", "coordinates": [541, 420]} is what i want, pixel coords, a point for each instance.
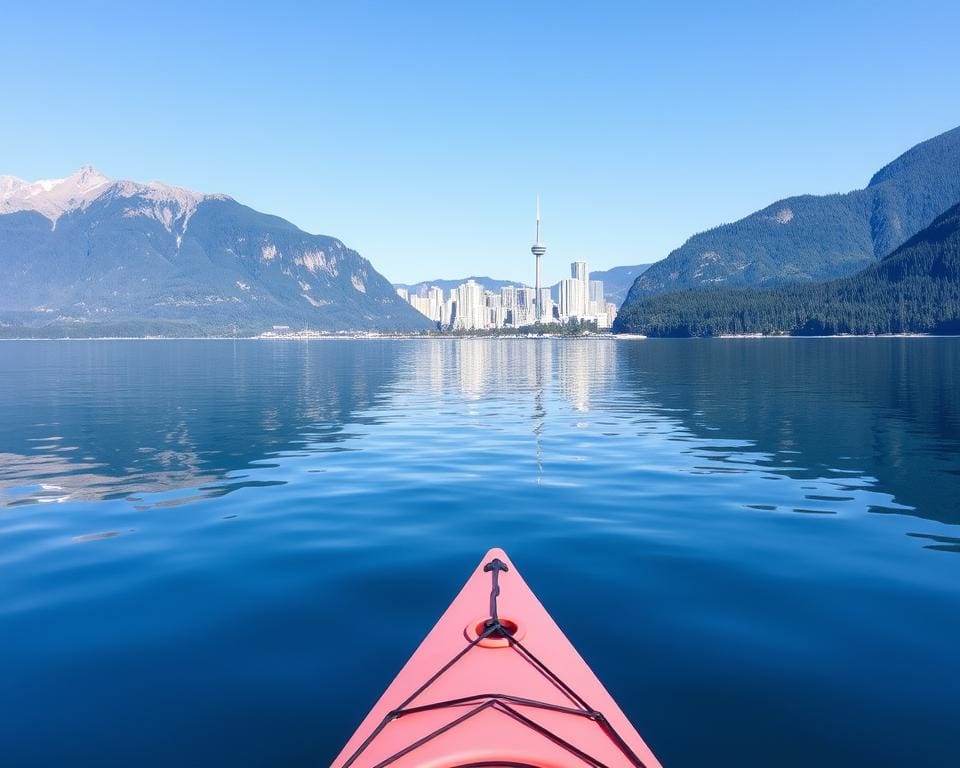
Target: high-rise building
{"type": "Point", "coordinates": [596, 305]}
{"type": "Point", "coordinates": [471, 310]}
{"type": "Point", "coordinates": [596, 291]}
{"type": "Point", "coordinates": [449, 310]}
{"type": "Point", "coordinates": [544, 296]}
{"type": "Point", "coordinates": [420, 304]}
{"type": "Point", "coordinates": [575, 291]}
{"type": "Point", "coordinates": [538, 249]}
{"type": "Point", "coordinates": [435, 295]}
{"type": "Point", "coordinates": [526, 306]}
{"type": "Point", "coordinates": [572, 298]}
{"type": "Point", "coordinates": [508, 296]}
{"type": "Point", "coordinates": [548, 308]}
{"type": "Point", "coordinates": [545, 305]}
{"type": "Point", "coordinates": [429, 302]}
{"type": "Point", "coordinates": [611, 313]}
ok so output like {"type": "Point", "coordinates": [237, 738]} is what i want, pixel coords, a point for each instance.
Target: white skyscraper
{"type": "Point", "coordinates": [428, 303]}
{"type": "Point", "coordinates": [420, 304]}
{"type": "Point", "coordinates": [572, 298]}
{"type": "Point", "coordinates": [596, 304]}
{"type": "Point", "coordinates": [508, 300]}
{"type": "Point", "coordinates": [435, 295]}
{"type": "Point", "coordinates": [596, 291]}
{"type": "Point", "coordinates": [471, 309]}
{"type": "Point", "coordinates": [450, 309]}
{"type": "Point", "coordinates": [545, 306]}
{"type": "Point", "coordinates": [611, 314]}
{"type": "Point", "coordinates": [526, 306]}
{"type": "Point", "coordinates": [580, 290]}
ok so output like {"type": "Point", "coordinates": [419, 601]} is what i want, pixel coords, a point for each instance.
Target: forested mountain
{"type": "Point", "coordinates": [811, 238]}
{"type": "Point", "coordinates": [916, 289]}
{"type": "Point", "coordinates": [87, 255]}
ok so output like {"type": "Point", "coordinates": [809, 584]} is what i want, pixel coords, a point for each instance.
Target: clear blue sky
{"type": "Point", "coordinates": [419, 133]}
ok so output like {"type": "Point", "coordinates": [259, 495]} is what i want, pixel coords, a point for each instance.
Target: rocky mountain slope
{"type": "Point", "coordinates": [88, 255]}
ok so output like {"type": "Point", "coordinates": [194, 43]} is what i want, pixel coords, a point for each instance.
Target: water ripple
{"type": "Point", "coordinates": [742, 538]}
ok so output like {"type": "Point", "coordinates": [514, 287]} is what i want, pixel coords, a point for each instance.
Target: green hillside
{"type": "Point", "coordinates": [916, 289]}
{"type": "Point", "coordinates": [812, 238]}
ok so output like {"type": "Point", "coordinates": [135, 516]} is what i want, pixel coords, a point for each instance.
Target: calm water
{"type": "Point", "coordinates": [756, 544]}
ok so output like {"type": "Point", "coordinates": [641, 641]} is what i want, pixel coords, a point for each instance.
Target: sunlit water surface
{"type": "Point", "coordinates": [219, 553]}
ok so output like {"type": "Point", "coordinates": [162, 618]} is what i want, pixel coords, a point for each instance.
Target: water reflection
{"type": "Point", "coordinates": [479, 369]}
{"type": "Point", "coordinates": [104, 420]}
{"type": "Point", "coordinates": [166, 423]}
{"type": "Point", "coordinates": [843, 414]}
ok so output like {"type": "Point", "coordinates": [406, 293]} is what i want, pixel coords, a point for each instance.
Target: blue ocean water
{"type": "Point", "coordinates": [220, 552]}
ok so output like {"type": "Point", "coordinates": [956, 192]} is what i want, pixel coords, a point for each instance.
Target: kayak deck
{"type": "Point", "coordinates": [495, 683]}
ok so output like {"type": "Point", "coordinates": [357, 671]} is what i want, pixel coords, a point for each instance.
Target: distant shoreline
{"type": "Point", "coordinates": [416, 337]}
{"type": "Point", "coordinates": [334, 337]}
{"type": "Point", "coordinates": [827, 336]}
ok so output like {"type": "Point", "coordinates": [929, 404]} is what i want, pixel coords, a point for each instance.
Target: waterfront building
{"type": "Point", "coordinates": [572, 303]}
{"type": "Point", "coordinates": [597, 305]}
{"type": "Point", "coordinates": [596, 291]}
{"type": "Point", "coordinates": [429, 302]}
{"type": "Point", "coordinates": [435, 295]}
{"type": "Point", "coordinates": [526, 306]}
{"type": "Point", "coordinates": [508, 298]}
{"type": "Point", "coordinates": [420, 304]}
{"type": "Point", "coordinates": [545, 299]}
{"type": "Point", "coordinates": [611, 313]}
{"type": "Point", "coordinates": [549, 311]}
{"type": "Point", "coordinates": [451, 314]}
{"type": "Point", "coordinates": [449, 310]}
{"type": "Point", "coordinates": [471, 310]}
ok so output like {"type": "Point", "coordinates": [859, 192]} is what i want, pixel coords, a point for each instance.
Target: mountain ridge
{"type": "Point", "coordinates": [817, 237]}
{"type": "Point", "coordinates": [88, 250]}
{"type": "Point", "coordinates": [488, 283]}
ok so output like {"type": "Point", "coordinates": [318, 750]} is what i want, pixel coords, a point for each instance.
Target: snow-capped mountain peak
{"type": "Point", "coordinates": [53, 198]}
{"type": "Point", "coordinates": [84, 179]}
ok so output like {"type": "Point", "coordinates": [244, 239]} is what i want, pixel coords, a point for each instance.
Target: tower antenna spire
{"type": "Point", "coordinates": [538, 217]}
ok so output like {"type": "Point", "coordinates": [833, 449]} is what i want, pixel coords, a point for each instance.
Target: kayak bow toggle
{"type": "Point", "coordinates": [493, 623]}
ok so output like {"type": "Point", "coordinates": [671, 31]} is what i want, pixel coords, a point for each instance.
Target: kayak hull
{"type": "Point", "coordinates": [475, 694]}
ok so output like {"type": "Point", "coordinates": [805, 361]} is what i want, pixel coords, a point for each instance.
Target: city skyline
{"type": "Point", "coordinates": [471, 307]}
